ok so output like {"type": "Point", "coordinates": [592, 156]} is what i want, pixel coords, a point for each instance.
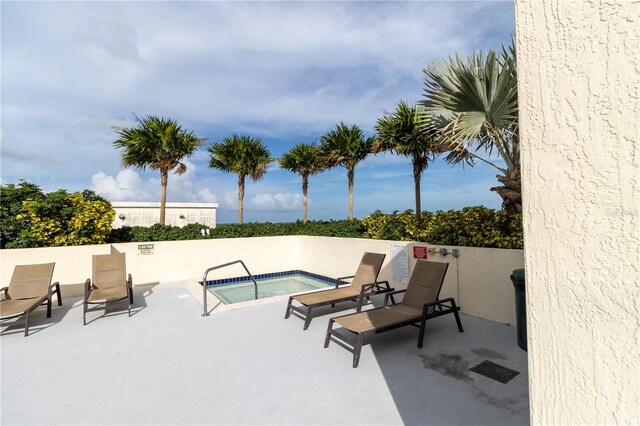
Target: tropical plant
{"type": "Point", "coordinates": [399, 133]}
{"type": "Point", "coordinates": [305, 160]}
{"type": "Point", "coordinates": [13, 231]}
{"type": "Point", "coordinates": [157, 143]}
{"type": "Point", "coordinates": [473, 104]}
{"type": "Point", "coordinates": [62, 219]}
{"type": "Point", "coordinates": [346, 146]}
{"type": "Point", "coordinates": [242, 155]}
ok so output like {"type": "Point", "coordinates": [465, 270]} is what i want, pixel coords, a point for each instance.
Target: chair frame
{"type": "Point", "coordinates": [89, 287]}
{"type": "Point", "coordinates": [51, 290]}
{"type": "Point", "coordinates": [353, 342]}
{"type": "Point", "coordinates": [365, 291]}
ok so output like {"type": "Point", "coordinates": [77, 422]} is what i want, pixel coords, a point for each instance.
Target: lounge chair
{"type": "Point", "coordinates": [109, 282]}
{"type": "Point", "coordinates": [30, 287]}
{"type": "Point", "coordinates": [364, 284]}
{"type": "Point", "coordinates": [419, 304]}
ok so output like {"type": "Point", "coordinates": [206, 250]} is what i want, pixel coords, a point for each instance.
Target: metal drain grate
{"type": "Point", "coordinates": [494, 371]}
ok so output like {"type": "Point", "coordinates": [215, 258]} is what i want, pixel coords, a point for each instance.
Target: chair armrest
{"type": "Point", "coordinates": [388, 289]}
{"type": "Point", "coordinates": [451, 300]}
{"type": "Point", "coordinates": [87, 288]}
{"type": "Point", "coordinates": [365, 290]}
{"type": "Point", "coordinates": [342, 278]}
{"type": "Point", "coordinates": [391, 293]}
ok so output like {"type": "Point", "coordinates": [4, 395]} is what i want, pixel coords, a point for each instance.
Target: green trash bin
{"type": "Point", "coordinates": [517, 278]}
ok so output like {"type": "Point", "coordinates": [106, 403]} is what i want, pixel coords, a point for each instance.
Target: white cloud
{"type": "Point", "coordinates": [276, 202]}
{"type": "Point", "coordinates": [207, 196]}
{"type": "Point", "coordinates": [126, 186]}
{"type": "Point", "coordinates": [229, 200]}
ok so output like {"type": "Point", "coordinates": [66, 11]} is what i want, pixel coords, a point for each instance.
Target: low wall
{"type": "Point", "coordinates": [478, 278]}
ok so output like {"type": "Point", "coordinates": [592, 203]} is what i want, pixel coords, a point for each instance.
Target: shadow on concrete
{"type": "Point", "coordinates": [120, 307]}
{"type": "Point", "coordinates": [443, 364]}
{"type": "Point", "coordinates": [434, 385]}
{"type": "Point", "coordinates": [38, 320]}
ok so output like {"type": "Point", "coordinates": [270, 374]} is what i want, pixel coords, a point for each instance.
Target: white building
{"type": "Point", "coordinates": [176, 214]}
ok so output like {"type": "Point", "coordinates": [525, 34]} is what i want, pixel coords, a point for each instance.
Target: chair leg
{"type": "Point", "coordinates": [455, 313]}
{"type": "Point", "coordinates": [307, 319]}
{"type": "Point", "coordinates": [327, 338]}
{"type": "Point", "coordinates": [288, 313]}
{"type": "Point", "coordinates": [26, 325]}
{"type": "Point", "coordinates": [423, 326]}
{"type": "Point", "coordinates": [59, 295]}
{"type": "Point", "coordinates": [84, 313]}
{"type": "Point", "coordinates": [357, 349]}
{"type": "Point", "coordinates": [48, 308]}
{"type": "Point", "coordinates": [130, 291]}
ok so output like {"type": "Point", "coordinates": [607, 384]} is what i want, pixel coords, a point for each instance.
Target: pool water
{"type": "Point", "coordinates": [269, 287]}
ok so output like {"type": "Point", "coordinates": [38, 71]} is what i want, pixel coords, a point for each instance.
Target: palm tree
{"type": "Point", "coordinates": [345, 146]}
{"type": "Point", "coordinates": [242, 155]}
{"type": "Point", "coordinates": [305, 160]}
{"type": "Point", "coordinates": [399, 133]}
{"type": "Point", "coordinates": [160, 144]}
{"type": "Point", "coordinates": [473, 103]}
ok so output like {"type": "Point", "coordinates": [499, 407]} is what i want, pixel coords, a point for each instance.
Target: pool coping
{"type": "Point", "coordinates": [215, 305]}
{"type": "Point", "coordinates": [246, 278]}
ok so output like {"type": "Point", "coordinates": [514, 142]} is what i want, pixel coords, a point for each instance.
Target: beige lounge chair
{"type": "Point", "coordinates": [419, 304]}
{"type": "Point", "coordinates": [364, 283]}
{"type": "Point", "coordinates": [30, 287]}
{"type": "Point", "coordinates": [109, 282]}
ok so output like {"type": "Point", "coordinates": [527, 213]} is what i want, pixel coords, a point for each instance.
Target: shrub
{"type": "Point", "coordinates": [472, 227]}
{"type": "Point", "coordinates": [31, 218]}
{"type": "Point", "coordinates": [157, 232]}
{"type": "Point", "coordinates": [13, 232]}
{"type": "Point", "coordinates": [63, 219]}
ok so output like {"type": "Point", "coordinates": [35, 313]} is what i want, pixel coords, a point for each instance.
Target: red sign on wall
{"type": "Point", "coordinates": [419, 252]}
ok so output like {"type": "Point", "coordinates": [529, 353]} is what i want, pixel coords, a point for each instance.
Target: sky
{"type": "Point", "coordinates": [284, 72]}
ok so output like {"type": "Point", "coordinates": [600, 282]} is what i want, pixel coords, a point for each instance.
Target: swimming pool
{"type": "Point", "coordinates": [269, 285]}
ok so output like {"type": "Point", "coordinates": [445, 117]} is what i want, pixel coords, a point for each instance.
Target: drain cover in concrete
{"type": "Point", "coordinates": [494, 371]}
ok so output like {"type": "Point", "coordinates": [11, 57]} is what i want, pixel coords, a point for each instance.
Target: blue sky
{"type": "Point", "coordinates": [284, 72]}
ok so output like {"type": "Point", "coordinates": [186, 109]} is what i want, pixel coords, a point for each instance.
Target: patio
{"type": "Point", "coordinates": [168, 365]}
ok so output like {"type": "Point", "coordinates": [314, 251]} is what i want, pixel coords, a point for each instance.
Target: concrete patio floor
{"type": "Point", "coordinates": [168, 365]}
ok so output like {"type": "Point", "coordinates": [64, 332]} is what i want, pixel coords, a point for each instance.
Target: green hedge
{"type": "Point", "coordinates": [471, 226]}
{"type": "Point", "coordinates": [157, 232]}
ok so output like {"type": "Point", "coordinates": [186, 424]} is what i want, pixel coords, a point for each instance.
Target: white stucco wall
{"type": "Point", "coordinates": [579, 100]}
{"type": "Point", "coordinates": [176, 214]}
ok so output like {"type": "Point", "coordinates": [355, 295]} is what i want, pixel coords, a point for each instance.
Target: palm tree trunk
{"type": "Point", "coordinates": [417, 174]}
{"type": "Point", "coordinates": [511, 191]}
{"type": "Point", "coordinates": [350, 176]}
{"type": "Point", "coordinates": [164, 177]}
{"type": "Point", "coordinates": [305, 186]}
{"type": "Point", "coordinates": [240, 197]}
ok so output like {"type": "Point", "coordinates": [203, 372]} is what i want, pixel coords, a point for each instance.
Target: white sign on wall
{"type": "Point", "coordinates": [400, 263]}
{"type": "Point", "coordinates": [145, 249]}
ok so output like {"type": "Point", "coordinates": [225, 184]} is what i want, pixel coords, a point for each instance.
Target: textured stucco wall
{"type": "Point", "coordinates": [579, 99]}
